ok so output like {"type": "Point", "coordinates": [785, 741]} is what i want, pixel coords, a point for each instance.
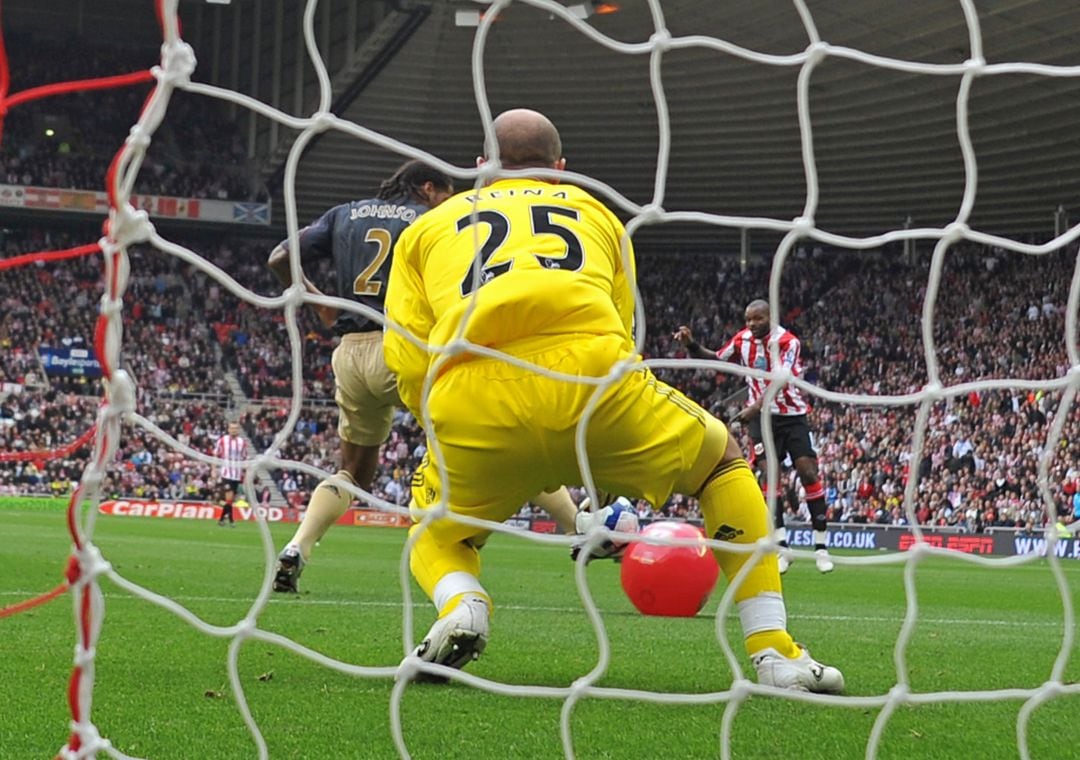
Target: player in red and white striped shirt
{"type": "Point", "coordinates": [234, 450]}
{"type": "Point", "coordinates": [751, 347]}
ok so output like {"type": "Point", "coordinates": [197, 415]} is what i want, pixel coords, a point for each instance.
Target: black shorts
{"type": "Point", "coordinates": [791, 436]}
{"type": "Point", "coordinates": [236, 486]}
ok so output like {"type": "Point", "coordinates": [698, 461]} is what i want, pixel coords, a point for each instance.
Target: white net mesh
{"type": "Point", "coordinates": [128, 226]}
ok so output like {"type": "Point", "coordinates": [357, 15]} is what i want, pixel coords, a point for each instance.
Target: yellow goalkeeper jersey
{"type": "Point", "coordinates": [541, 260]}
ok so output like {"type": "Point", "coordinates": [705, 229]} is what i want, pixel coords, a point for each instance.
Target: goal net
{"type": "Point", "coordinates": [916, 408]}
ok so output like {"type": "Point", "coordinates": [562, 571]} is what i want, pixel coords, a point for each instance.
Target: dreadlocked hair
{"type": "Point", "coordinates": [409, 178]}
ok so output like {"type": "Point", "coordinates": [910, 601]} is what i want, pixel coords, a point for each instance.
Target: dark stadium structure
{"type": "Point", "coordinates": [885, 142]}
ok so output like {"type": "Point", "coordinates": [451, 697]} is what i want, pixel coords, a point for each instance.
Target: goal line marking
{"type": "Point", "coordinates": [576, 610]}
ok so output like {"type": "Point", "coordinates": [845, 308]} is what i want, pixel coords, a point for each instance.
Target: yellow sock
{"type": "Point", "coordinates": [781, 641]}
{"type": "Point", "coordinates": [735, 511]}
{"type": "Point", "coordinates": [456, 600]}
{"type": "Point", "coordinates": [328, 503]}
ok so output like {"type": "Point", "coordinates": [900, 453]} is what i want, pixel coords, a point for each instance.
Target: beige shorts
{"type": "Point", "coordinates": [365, 390]}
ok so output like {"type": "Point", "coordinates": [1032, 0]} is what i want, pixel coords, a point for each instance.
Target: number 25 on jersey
{"type": "Point", "coordinates": [545, 221]}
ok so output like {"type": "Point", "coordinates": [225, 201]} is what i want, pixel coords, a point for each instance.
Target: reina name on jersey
{"type": "Point", "coordinates": [382, 211]}
{"type": "Point", "coordinates": [540, 192]}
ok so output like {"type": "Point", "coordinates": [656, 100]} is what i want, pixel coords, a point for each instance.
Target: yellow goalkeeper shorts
{"type": "Point", "coordinates": [506, 433]}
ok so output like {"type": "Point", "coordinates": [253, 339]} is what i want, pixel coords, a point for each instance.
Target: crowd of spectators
{"type": "Point", "coordinates": [314, 441]}
{"type": "Point", "coordinates": [167, 342]}
{"type": "Point", "coordinates": [68, 141]}
{"type": "Point", "coordinates": [182, 333]}
{"type": "Point", "coordinates": [254, 342]}
{"type": "Point", "coordinates": [41, 422]}
{"type": "Point", "coordinates": [145, 465]}
{"type": "Point", "coordinates": [996, 315]}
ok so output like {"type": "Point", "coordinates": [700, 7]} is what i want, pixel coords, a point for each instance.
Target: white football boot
{"type": "Point", "coordinates": [824, 563]}
{"type": "Point", "coordinates": [801, 674]}
{"type": "Point", "coordinates": [784, 555]}
{"type": "Point", "coordinates": [784, 559]}
{"type": "Point", "coordinates": [457, 639]}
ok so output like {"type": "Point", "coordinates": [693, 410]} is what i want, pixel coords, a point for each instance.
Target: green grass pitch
{"type": "Point", "coordinates": [162, 687]}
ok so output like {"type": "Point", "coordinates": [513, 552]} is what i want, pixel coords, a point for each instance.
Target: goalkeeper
{"type": "Point", "coordinates": [359, 238]}
{"type": "Point", "coordinates": [535, 269]}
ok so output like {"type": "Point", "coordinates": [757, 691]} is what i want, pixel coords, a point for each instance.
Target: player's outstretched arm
{"type": "Point", "coordinates": [748, 413]}
{"type": "Point", "coordinates": [278, 263]}
{"type": "Point", "coordinates": [696, 350]}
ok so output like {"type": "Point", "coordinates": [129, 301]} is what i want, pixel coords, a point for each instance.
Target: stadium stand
{"type": "Point", "coordinates": [68, 141]}
{"type": "Point", "coordinates": [200, 361]}
{"type": "Point", "coordinates": [981, 460]}
{"type": "Point", "coordinates": [978, 470]}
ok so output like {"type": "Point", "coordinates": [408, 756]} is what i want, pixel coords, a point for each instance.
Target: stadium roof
{"type": "Point", "coordinates": [885, 141]}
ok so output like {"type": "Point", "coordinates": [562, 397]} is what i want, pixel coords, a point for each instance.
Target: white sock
{"type": "Point", "coordinates": [455, 584]}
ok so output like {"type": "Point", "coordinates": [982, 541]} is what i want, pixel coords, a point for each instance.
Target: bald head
{"type": "Point", "coordinates": [527, 139]}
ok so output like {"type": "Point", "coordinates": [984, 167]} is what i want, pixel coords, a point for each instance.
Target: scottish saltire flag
{"type": "Point", "coordinates": [251, 213]}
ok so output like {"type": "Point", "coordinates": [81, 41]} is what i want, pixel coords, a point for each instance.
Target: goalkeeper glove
{"type": "Point", "coordinates": [618, 517]}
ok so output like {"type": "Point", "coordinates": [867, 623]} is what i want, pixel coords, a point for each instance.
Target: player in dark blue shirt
{"type": "Point", "coordinates": [359, 237]}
